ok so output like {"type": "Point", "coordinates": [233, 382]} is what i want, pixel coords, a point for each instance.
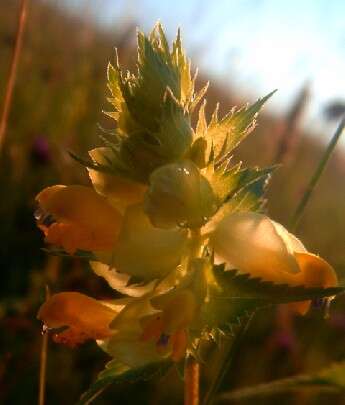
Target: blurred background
{"type": "Point", "coordinates": [245, 48]}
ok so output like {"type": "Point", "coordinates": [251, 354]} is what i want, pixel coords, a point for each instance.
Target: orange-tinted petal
{"type": "Point", "coordinates": [315, 272]}
{"type": "Point", "coordinates": [84, 317]}
{"type": "Point", "coordinates": [83, 219]}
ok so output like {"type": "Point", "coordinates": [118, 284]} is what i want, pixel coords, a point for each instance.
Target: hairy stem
{"type": "Point", "coordinates": [316, 177]}
{"type": "Point", "coordinates": [191, 382]}
{"type": "Point", "coordinates": [13, 70]}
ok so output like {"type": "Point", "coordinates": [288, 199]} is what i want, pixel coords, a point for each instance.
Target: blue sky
{"type": "Point", "coordinates": [254, 45]}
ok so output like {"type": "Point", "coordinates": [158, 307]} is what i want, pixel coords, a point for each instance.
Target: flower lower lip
{"type": "Point", "coordinates": [43, 217]}
{"type": "Point", "coordinates": [47, 329]}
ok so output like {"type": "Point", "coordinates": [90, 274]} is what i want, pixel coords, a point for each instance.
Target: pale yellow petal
{"type": "Point", "coordinates": [293, 244]}
{"type": "Point", "coordinates": [134, 353]}
{"type": "Point", "coordinates": [250, 243]}
{"type": "Point", "coordinates": [144, 251]}
{"type": "Point", "coordinates": [119, 281]}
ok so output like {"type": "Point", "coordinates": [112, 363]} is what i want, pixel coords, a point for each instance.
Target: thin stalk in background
{"type": "Point", "coordinates": [13, 70]}
{"type": "Point", "coordinates": [289, 134]}
{"type": "Point", "coordinates": [230, 349]}
{"type": "Point", "coordinates": [43, 363]}
{"type": "Point", "coordinates": [316, 177]}
{"type": "Point", "coordinates": [191, 382]}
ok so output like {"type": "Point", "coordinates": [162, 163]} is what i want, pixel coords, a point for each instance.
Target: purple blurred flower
{"type": "Point", "coordinates": [40, 150]}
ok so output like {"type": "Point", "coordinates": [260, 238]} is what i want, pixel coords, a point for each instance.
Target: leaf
{"type": "Point", "coordinates": [331, 378]}
{"type": "Point", "coordinates": [227, 184]}
{"type": "Point", "coordinates": [175, 133]}
{"type": "Point", "coordinates": [116, 372]}
{"type": "Point", "coordinates": [227, 133]}
{"type": "Point", "coordinates": [243, 287]}
{"type": "Point", "coordinates": [114, 85]}
{"type": "Point", "coordinates": [196, 98]}
{"type": "Point", "coordinates": [232, 295]}
{"type": "Point", "coordinates": [114, 167]}
{"type": "Point", "coordinates": [144, 93]}
{"type": "Point", "coordinates": [249, 197]}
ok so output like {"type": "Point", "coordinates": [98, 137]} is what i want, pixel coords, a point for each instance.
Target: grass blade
{"type": "Point", "coordinates": [316, 177]}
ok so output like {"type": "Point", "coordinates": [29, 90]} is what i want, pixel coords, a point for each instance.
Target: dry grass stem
{"type": "Point", "coordinates": [12, 72]}
{"type": "Point", "coordinates": [43, 363]}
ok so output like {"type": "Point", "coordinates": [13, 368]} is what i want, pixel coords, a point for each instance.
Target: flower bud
{"type": "Point", "coordinates": [179, 195]}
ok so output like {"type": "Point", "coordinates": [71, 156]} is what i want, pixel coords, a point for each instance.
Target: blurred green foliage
{"type": "Point", "coordinates": [58, 99]}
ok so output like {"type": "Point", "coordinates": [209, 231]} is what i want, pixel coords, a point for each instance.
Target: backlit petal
{"type": "Point", "coordinates": [293, 244]}
{"type": "Point", "coordinates": [250, 243]}
{"type": "Point", "coordinates": [145, 251]}
{"type": "Point", "coordinates": [121, 281]}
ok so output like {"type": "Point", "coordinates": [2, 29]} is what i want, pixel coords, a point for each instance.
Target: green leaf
{"type": "Point", "coordinates": [227, 183]}
{"type": "Point", "coordinates": [331, 378]}
{"type": "Point", "coordinates": [227, 133]}
{"type": "Point", "coordinates": [175, 132]}
{"type": "Point", "coordinates": [248, 197]}
{"type": "Point", "coordinates": [232, 295]}
{"type": "Point", "coordinates": [236, 286]}
{"type": "Point", "coordinates": [144, 93]}
{"type": "Point", "coordinates": [114, 167]}
{"type": "Point", "coordinates": [116, 372]}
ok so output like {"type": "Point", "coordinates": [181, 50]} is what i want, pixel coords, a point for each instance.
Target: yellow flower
{"type": "Point", "coordinates": [150, 328]}
{"type": "Point", "coordinates": [252, 243]}
{"type": "Point", "coordinates": [82, 317]}
{"type": "Point", "coordinates": [168, 328]}
{"type": "Point", "coordinates": [76, 217]}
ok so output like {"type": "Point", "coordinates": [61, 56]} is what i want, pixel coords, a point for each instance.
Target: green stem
{"type": "Point", "coordinates": [316, 177]}
{"type": "Point", "coordinates": [230, 349]}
